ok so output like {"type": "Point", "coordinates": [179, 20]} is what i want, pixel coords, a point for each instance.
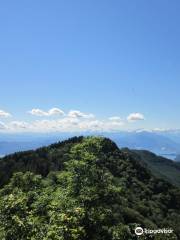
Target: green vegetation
{"type": "Point", "coordinates": [83, 189]}
{"type": "Point", "coordinates": [160, 166]}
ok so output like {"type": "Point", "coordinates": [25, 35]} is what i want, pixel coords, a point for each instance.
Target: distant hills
{"type": "Point", "coordinates": [159, 166]}
{"type": "Point", "coordinates": [164, 143]}
{"type": "Point", "coordinates": [158, 143]}
{"type": "Point", "coordinates": [87, 188]}
{"type": "Point", "coordinates": [11, 143]}
{"type": "Point", "coordinates": [11, 147]}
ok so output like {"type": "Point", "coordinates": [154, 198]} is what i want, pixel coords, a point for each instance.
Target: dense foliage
{"type": "Point", "coordinates": [83, 189]}
{"type": "Point", "coordinates": [160, 166]}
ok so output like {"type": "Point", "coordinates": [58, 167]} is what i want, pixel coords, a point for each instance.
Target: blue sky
{"type": "Point", "coordinates": [107, 58]}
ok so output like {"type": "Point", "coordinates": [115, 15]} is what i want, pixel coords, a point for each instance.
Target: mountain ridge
{"type": "Point", "coordinates": [86, 189]}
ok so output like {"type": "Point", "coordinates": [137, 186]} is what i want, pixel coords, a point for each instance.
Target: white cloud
{"type": "Point", "coordinates": [65, 124]}
{"type": "Point", "coordinates": [61, 125]}
{"type": "Point", "coordinates": [161, 130]}
{"type": "Point", "coordinates": [19, 125]}
{"type": "Point", "coordinates": [78, 114]}
{"type": "Point", "coordinates": [73, 121]}
{"type": "Point", "coordinates": [44, 125]}
{"type": "Point", "coordinates": [101, 125]}
{"type": "Point", "coordinates": [41, 113]}
{"type": "Point", "coordinates": [3, 126]}
{"type": "Point", "coordinates": [95, 125]}
{"type": "Point", "coordinates": [38, 112]}
{"type": "Point", "coordinates": [135, 117]}
{"type": "Point", "coordinates": [4, 114]}
{"type": "Point", "coordinates": [55, 111]}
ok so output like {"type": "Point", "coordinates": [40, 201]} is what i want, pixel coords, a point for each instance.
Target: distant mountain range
{"type": "Point", "coordinates": [158, 143]}
{"type": "Point", "coordinates": [10, 143]}
{"type": "Point", "coordinates": [164, 143]}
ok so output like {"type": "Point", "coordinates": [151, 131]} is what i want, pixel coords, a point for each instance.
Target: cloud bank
{"type": "Point", "coordinates": [4, 114]}
{"type": "Point", "coordinates": [72, 121]}
{"type": "Point", "coordinates": [78, 114]}
{"type": "Point", "coordinates": [40, 113]}
{"type": "Point", "coordinates": [135, 117]}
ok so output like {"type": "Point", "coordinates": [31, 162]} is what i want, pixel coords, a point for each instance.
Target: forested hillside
{"type": "Point", "coordinates": [159, 166]}
{"type": "Point", "coordinates": [83, 189]}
